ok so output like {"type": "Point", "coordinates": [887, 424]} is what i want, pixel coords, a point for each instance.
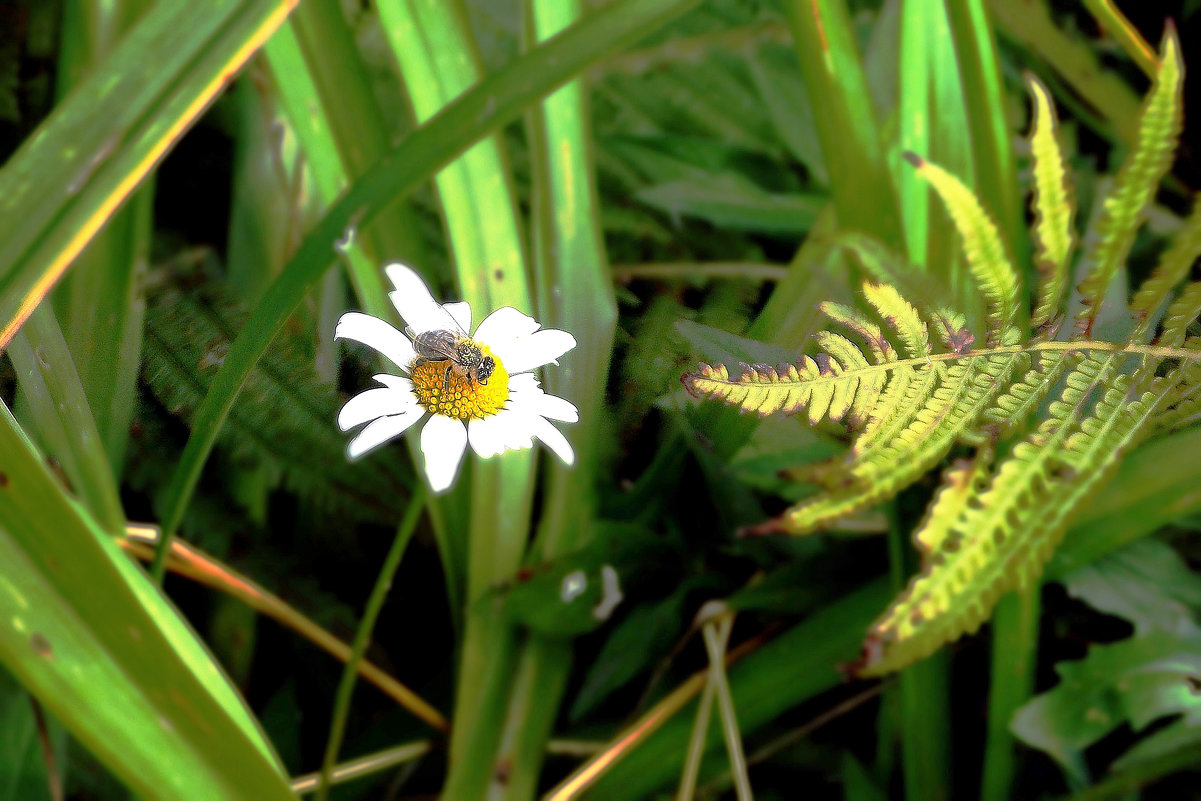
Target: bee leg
{"type": "Point", "coordinates": [446, 379]}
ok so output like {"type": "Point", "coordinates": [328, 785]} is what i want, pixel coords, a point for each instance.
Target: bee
{"type": "Point", "coordinates": [458, 350]}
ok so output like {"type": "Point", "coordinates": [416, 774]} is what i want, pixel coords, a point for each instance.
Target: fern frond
{"type": "Point", "coordinates": [1025, 395]}
{"type": "Point", "coordinates": [1053, 207]}
{"type": "Point", "coordinates": [281, 419]}
{"type": "Point", "coordinates": [882, 350]}
{"type": "Point", "coordinates": [1180, 314]}
{"type": "Point", "coordinates": [962, 482]}
{"type": "Point", "coordinates": [995, 274]}
{"type": "Point", "coordinates": [1136, 182]}
{"type": "Point", "coordinates": [1173, 267]}
{"type": "Point", "coordinates": [901, 315]}
{"type": "Point", "coordinates": [889, 269]}
{"type": "Point", "coordinates": [1004, 535]}
{"type": "Point", "coordinates": [1183, 405]}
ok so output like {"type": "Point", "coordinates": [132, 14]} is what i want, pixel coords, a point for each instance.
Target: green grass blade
{"type": "Point", "coordinates": [317, 65]}
{"type": "Point", "coordinates": [100, 301]}
{"type": "Point", "coordinates": [87, 634]}
{"type": "Point", "coordinates": [859, 175]}
{"type": "Point", "coordinates": [438, 59]}
{"type": "Point", "coordinates": [574, 290]}
{"type": "Point", "coordinates": [61, 417]}
{"type": "Point", "coordinates": [102, 141]}
{"type": "Point", "coordinates": [1073, 60]}
{"type": "Point", "coordinates": [1011, 683]}
{"type": "Point", "coordinates": [991, 136]}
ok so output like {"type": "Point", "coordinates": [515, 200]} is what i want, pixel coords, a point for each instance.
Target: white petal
{"type": "Point", "coordinates": [527, 396]}
{"type": "Point", "coordinates": [443, 441]}
{"type": "Point", "coordinates": [486, 437]}
{"type": "Point", "coordinates": [553, 438]}
{"type": "Point", "coordinates": [413, 300]}
{"type": "Point", "coordinates": [382, 430]}
{"type": "Point", "coordinates": [461, 312]}
{"type": "Point", "coordinates": [375, 333]}
{"type": "Point", "coordinates": [375, 403]}
{"type": "Point", "coordinates": [555, 408]}
{"type": "Point", "coordinates": [515, 338]}
{"type": "Point", "coordinates": [504, 431]}
{"type": "Point", "coordinates": [524, 382]}
{"type": "Point", "coordinates": [505, 326]}
{"type": "Point", "coordinates": [538, 349]}
{"type": "Point", "coordinates": [398, 382]}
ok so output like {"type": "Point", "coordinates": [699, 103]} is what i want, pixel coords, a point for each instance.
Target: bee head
{"type": "Point", "coordinates": [485, 370]}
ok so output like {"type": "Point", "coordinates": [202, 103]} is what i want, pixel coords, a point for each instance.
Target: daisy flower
{"type": "Point", "coordinates": [476, 388]}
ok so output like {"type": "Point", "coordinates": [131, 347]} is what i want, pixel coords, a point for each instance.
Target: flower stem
{"type": "Point", "coordinates": [379, 593]}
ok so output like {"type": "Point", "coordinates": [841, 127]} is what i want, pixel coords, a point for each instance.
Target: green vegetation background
{"type": "Point", "coordinates": [665, 202]}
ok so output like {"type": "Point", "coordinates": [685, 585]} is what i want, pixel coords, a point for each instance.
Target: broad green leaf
{"type": "Point", "coordinates": [102, 141]}
{"type": "Point", "coordinates": [1135, 681]}
{"type": "Point", "coordinates": [1146, 583]}
{"type": "Point", "coordinates": [107, 655]}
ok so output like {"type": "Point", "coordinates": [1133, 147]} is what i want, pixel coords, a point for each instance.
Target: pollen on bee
{"type": "Point", "coordinates": [453, 394]}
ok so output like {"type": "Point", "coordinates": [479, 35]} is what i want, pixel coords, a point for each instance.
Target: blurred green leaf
{"type": "Point", "coordinates": [23, 775]}
{"type": "Point", "coordinates": [645, 635]}
{"type": "Point", "coordinates": [1136, 681]}
{"type": "Point", "coordinates": [1146, 583]}
{"type": "Point", "coordinates": [729, 201]}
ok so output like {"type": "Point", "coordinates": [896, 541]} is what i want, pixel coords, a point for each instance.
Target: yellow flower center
{"type": "Point", "coordinates": [446, 388]}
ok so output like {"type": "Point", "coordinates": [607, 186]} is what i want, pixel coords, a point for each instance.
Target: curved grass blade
{"type": "Point", "coordinates": [100, 143]}
{"type": "Point", "coordinates": [105, 652]}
